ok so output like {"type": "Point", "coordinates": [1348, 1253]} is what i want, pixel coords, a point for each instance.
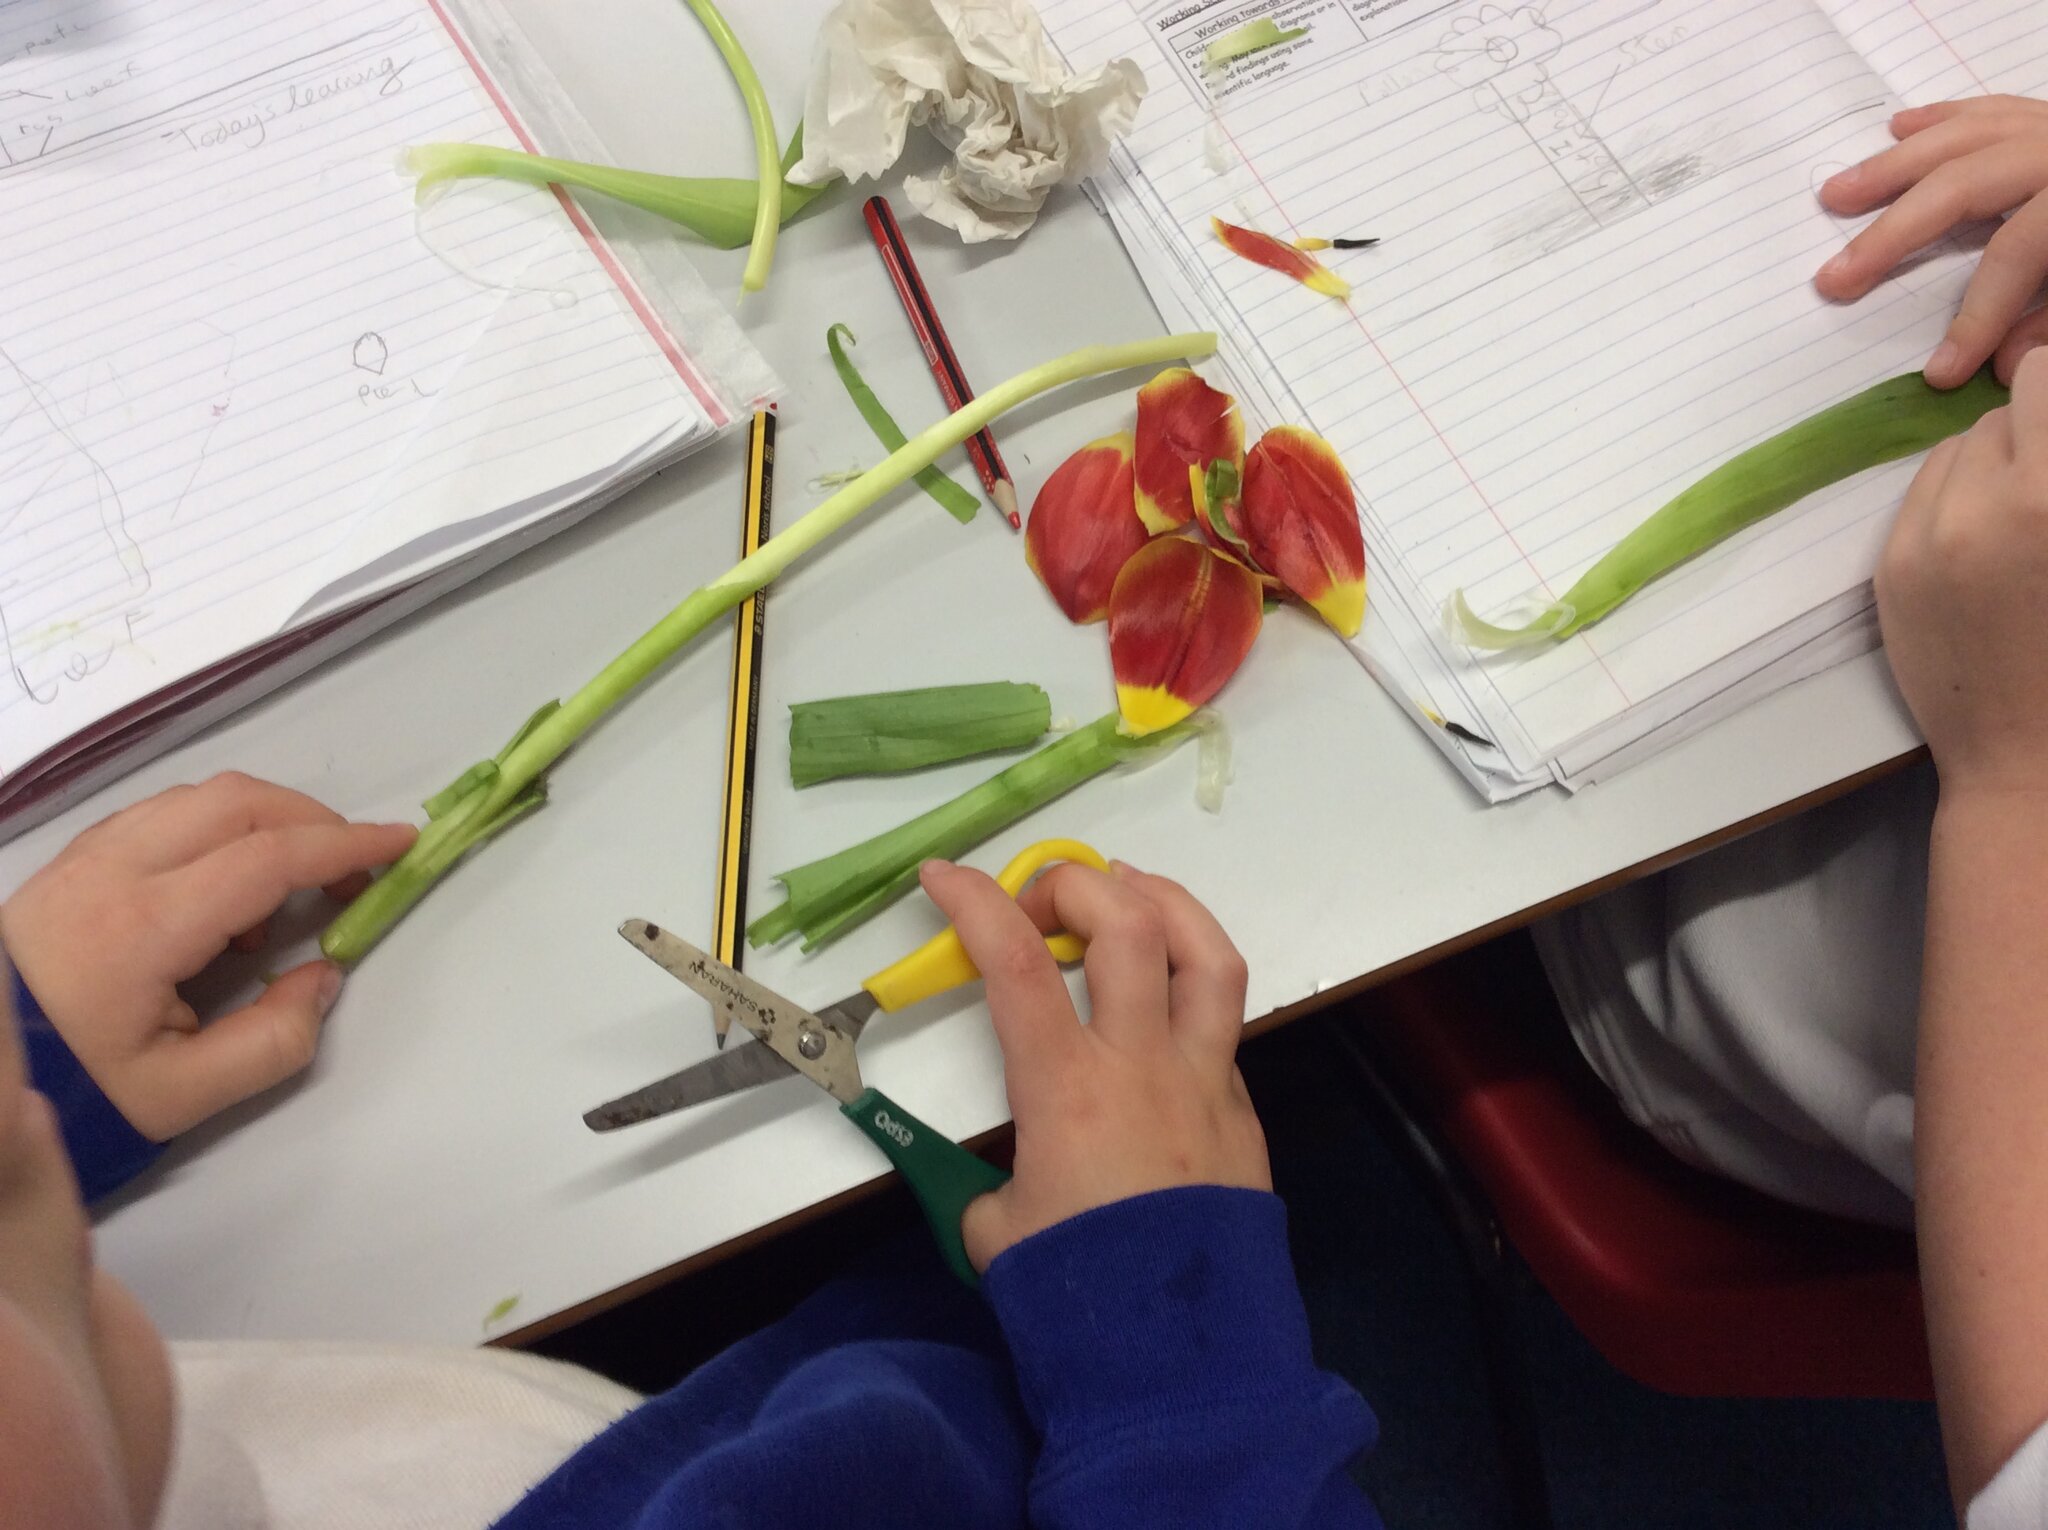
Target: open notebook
{"type": "Point", "coordinates": [252, 402]}
{"type": "Point", "coordinates": [1599, 232]}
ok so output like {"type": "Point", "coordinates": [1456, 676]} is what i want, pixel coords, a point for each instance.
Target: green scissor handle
{"type": "Point", "coordinates": [943, 1175]}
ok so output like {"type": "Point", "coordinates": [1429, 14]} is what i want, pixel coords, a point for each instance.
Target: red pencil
{"type": "Point", "coordinates": [938, 351]}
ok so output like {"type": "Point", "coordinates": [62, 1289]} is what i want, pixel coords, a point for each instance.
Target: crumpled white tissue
{"type": "Point", "coordinates": [981, 75]}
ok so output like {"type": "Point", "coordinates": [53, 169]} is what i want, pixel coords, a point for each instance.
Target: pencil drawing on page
{"type": "Point", "coordinates": [1509, 58]}
{"type": "Point", "coordinates": [71, 575]}
{"type": "Point", "coordinates": [74, 522]}
{"type": "Point", "coordinates": [29, 120]}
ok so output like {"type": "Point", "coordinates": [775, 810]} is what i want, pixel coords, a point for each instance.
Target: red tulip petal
{"type": "Point", "coordinates": [1300, 523]}
{"type": "Point", "coordinates": [1284, 258]}
{"type": "Point", "coordinates": [1189, 436]}
{"type": "Point", "coordinates": [1181, 620]}
{"type": "Point", "coordinates": [1084, 527]}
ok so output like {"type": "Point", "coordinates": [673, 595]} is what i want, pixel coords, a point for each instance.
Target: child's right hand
{"type": "Point", "coordinates": [1144, 1097]}
{"type": "Point", "coordinates": [1956, 162]}
{"type": "Point", "coordinates": [1962, 592]}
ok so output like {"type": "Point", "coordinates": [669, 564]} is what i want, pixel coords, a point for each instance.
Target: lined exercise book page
{"type": "Point", "coordinates": [1939, 50]}
{"type": "Point", "coordinates": [224, 329]}
{"type": "Point", "coordinates": [1598, 235]}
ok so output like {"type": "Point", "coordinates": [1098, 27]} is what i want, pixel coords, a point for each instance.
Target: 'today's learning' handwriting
{"type": "Point", "coordinates": [250, 127]}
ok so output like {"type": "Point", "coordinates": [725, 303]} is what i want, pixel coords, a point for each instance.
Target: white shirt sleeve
{"type": "Point", "coordinates": [1755, 1008]}
{"type": "Point", "coordinates": [2017, 1498]}
{"type": "Point", "coordinates": [368, 1436]}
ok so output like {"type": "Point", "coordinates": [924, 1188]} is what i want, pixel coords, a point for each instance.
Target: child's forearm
{"type": "Point", "coordinates": [1163, 1355]}
{"type": "Point", "coordinates": [105, 1150]}
{"type": "Point", "coordinates": [1982, 1127]}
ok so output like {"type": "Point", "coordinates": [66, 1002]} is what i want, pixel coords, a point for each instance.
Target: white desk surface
{"type": "Point", "coordinates": [434, 1161]}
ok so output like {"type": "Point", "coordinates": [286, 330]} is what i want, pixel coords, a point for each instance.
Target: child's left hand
{"type": "Point", "coordinates": [1957, 162]}
{"type": "Point", "coordinates": [1962, 594]}
{"type": "Point", "coordinates": [140, 903]}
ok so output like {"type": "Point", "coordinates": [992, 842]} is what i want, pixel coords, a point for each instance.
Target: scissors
{"type": "Point", "coordinates": [820, 1045]}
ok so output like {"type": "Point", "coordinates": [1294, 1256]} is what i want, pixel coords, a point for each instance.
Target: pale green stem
{"type": "Point", "coordinates": [444, 841]}
{"type": "Point", "coordinates": [767, 158]}
{"type": "Point", "coordinates": [829, 897]}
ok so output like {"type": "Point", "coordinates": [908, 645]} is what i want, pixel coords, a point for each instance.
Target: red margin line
{"type": "Point", "coordinates": [1442, 440]}
{"type": "Point", "coordinates": [685, 367]}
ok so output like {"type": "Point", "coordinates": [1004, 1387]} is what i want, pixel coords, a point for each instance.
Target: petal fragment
{"type": "Point", "coordinates": [1084, 526]}
{"type": "Point", "coordinates": [1181, 620]}
{"type": "Point", "coordinates": [1222, 514]}
{"type": "Point", "coordinates": [1267, 251]}
{"type": "Point", "coordinates": [1190, 439]}
{"type": "Point", "coordinates": [1300, 523]}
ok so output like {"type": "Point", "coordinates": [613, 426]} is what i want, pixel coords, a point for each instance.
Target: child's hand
{"type": "Point", "coordinates": [134, 906]}
{"type": "Point", "coordinates": [1962, 591]}
{"type": "Point", "coordinates": [1147, 1095]}
{"type": "Point", "coordinates": [1957, 162]}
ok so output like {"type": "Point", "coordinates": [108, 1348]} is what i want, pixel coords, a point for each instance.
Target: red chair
{"type": "Point", "coordinates": [1682, 1280]}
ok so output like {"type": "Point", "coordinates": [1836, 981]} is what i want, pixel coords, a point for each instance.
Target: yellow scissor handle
{"type": "Point", "coordinates": [942, 963]}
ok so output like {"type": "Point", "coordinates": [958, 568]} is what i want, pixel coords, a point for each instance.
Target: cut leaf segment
{"type": "Point", "coordinates": [888, 732]}
{"type": "Point", "coordinates": [1896, 418]}
{"type": "Point", "coordinates": [718, 209]}
{"type": "Point", "coordinates": [1253, 37]}
{"type": "Point", "coordinates": [958, 503]}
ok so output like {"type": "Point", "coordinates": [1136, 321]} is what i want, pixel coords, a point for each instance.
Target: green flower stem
{"type": "Point", "coordinates": [511, 784]}
{"type": "Point", "coordinates": [829, 897]}
{"type": "Point", "coordinates": [768, 207]}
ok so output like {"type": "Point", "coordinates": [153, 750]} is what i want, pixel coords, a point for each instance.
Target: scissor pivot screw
{"type": "Point", "coordinates": [811, 1043]}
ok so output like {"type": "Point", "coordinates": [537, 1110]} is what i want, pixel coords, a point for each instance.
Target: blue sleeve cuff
{"type": "Point", "coordinates": [1162, 1302]}
{"type": "Point", "coordinates": [106, 1152]}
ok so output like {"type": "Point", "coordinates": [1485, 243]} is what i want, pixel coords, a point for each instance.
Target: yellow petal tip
{"type": "Point", "coordinates": [1148, 708]}
{"type": "Point", "coordinates": [1155, 520]}
{"type": "Point", "coordinates": [1343, 607]}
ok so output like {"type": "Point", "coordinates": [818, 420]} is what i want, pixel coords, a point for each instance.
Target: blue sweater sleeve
{"type": "Point", "coordinates": [1162, 1352]}
{"type": "Point", "coordinates": [1144, 1365]}
{"type": "Point", "coordinates": [106, 1152]}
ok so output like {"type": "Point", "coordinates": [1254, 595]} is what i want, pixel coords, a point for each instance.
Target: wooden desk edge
{"type": "Point", "coordinates": [653, 1280]}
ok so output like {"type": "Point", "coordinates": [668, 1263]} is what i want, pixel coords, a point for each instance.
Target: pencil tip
{"type": "Point", "coordinates": [721, 1041]}
{"type": "Point", "coordinates": [1005, 495]}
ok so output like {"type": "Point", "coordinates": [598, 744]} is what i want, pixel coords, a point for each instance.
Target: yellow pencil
{"type": "Point", "coordinates": [744, 716]}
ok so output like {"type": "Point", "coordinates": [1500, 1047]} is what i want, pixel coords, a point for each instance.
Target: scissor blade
{"type": "Point", "coordinates": [713, 1079]}
{"type": "Point", "coordinates": [822, 1052]}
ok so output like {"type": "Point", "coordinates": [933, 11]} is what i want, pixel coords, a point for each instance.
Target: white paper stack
{"type": "Point", "coordinates": [253, 403]}
{"type": "Point", "coordinates": [1598, 232]}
